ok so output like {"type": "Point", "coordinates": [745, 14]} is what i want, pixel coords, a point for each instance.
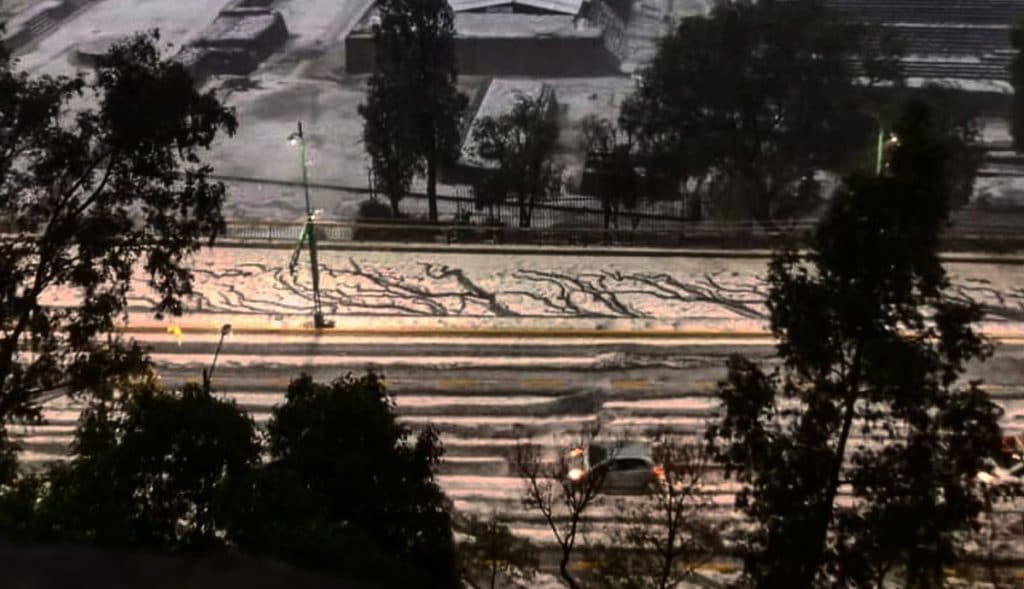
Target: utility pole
{"type": "Point", "coordinates": [308, 235]}
{"type": "Point", "coordinates": [208, 376]}
{"type": "Point", "coordinates": [878, 152]}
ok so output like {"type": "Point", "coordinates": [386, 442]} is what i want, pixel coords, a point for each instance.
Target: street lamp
{"type": "Point", "coordinates": [225, 330]}
{"type": "Point", "coordinates": [308, 233]}
{"type": "Point", "coordinates": [884, 144]}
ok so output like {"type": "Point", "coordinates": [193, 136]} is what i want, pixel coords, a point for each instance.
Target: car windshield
{"type": "Point", "coordinates": [629, 464]}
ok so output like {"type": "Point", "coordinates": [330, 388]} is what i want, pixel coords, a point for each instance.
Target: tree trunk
{"type": "Point", "coordinates": [432, 185]}
{"type": "Point", "coordinates": [394, 205]}
{"type": "Point", "coordinates": [672, 524]}
{"type": "Point", "coordinates": [828, 506]}
{"type": "Point", "coordinates": [563, 570]}
{"type": "Point", "coordinates": [524, 218]}
{"type": "Point", "coordinates": [763, 207]}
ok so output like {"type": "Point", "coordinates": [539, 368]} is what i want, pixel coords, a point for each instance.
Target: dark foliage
{"type": "Point", "coordinates": [413, 108]}
{"type": "Point", "coordinates": [521, 146]}
{"type": "Point", "coordinates": [373, 209]}
{"type": "Point", "coordinates": [346, 491]}
{"type": "Point", "coordinates": [494, 557]}
{"type": "Point", "coordinates": [754, 96]}
{"type": "Point", "coordinates": [1017, 80]}
{"type": "Point", "coordinates": [562, 502]}
{"type": "Point", "coordinates": [612, 158]}
{"type": "Point", "coordinates": [152, 469]}
{"type": "Point", "coordinates": [91, 195]}
{"type": "Point", "coordinates": [873, 348]}
{"type": "Point", "coordinates": [666, 534]}
{"type": "Point", "coordinates": [954, 120]}
{"type": "Point", "coordinates": [388, 134]}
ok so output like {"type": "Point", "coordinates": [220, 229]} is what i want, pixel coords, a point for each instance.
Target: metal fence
{"type": "Point", "coordinates": [706, 234]}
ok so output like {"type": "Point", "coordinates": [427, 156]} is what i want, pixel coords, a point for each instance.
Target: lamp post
{"type": "Point", "coordinates": [208, 375]}
{"type": "Point", "coordinates": [308, 234]}
{"type": "Point", "coordinates": [880, 150]}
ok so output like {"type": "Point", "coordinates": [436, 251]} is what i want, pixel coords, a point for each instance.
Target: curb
{"type": "Point", "coordinates": [559, 250]}
{"type": "Point", "coordinates": [459, 332]}
{"type": "Point", "coordinates": [485, 333]}
{"type": "Point", "coordinates": [562, 250]}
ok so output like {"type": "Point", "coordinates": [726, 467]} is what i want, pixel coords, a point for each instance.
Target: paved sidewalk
{"type": "Point", "coordinates": [505, 293]}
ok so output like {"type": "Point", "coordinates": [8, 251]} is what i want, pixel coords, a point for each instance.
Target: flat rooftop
{"type": "Point", "coordinates": [238, 28]}
{"type": "Point", "coordinates": [569, 7]}
{"type": "Point", "coordinates": [492, 26]}
{"type": "Point", "coordinates": [499, 99]}
{"type": "Point", "coordinates": [507, 26]}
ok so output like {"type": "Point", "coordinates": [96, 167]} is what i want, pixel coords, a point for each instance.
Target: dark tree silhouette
{"type": "Point", "coordinates": [521, 146]}
{"type": "Point", "coordinates": [494, 557]}
{"type": "Point", "coordinates": [666, 534]}
{"type": "Point", "coordinates": [152, 469]}
{"type": "Point", "coordinates": [413, 109]}
{"type": "Point", "coordinates": [1017, 80]}
{"type": "Point", "coordinates": [345, 491]}
{"type": "Point", "coordinates": [612, 159]}
{"type": "Point", "coordinates": [388, 134]}
{"type": "Point", "coordinates": [869, 400]}
{"type": "Point", "coordinates": [88, 198]}
{"type": "Point", "coordinates": [562, 502]}
{"type": "Point", "coordinates": [955, 125]}
{"type": "Point", "coordinates": [751, 97]}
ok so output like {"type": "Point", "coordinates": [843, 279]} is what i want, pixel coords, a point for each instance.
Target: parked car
{"type": "Point", "coordinates": [623, 468]}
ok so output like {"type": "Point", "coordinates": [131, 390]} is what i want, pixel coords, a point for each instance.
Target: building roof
{"type": "Point", "coordinates": [239, 28]}
{"type": "Point", "coordinates": [570, 7]}
{"type": "Point", "coordinates": [498, 99]}
{"type": "Point", "coordinates": [528, 26]}
{"type": "Point", "coordinates": [504, 26]}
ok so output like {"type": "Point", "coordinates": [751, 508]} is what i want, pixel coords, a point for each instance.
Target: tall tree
{"type": "Point", "coordinates": [494, 557]}
{"type": "Point", "coordinates": [612, 159]}
{"type": "Point", "coordinates": [347, 491]}
{"type": "Point", "coordinates": [521, 146]}
{"type": "Point", "coordinates": [415, 62]}
{"type": "Point", "coordinates": [88, 195]}
{"type": "Point", "coordinates": [752, 96]}
{"type": "Point", "coordinates": [152, 469]}
{"type": "Point", "coordinates": [666, 535]}
{"type": "Point", "coordinates": [389, 138]}
{"type": "Point", "coordinates": [562, 501]}
{"type": "Point", "coordinates": [954, 120]}
{"type": "Point", "coordinates": [872, 347]}
{"type": "Point", "coordinates": [1017, 80]}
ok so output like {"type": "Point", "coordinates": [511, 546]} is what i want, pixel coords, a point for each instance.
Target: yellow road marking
{"type": "Point", "coordinates": [542, 383]}
{"type": "Point", "coordinates": [458, 383]}
{"type": "Point", "coordinates": [748, 336]}
{"type": "Point", "coordinates": [213, 329]}
{"type": "Point", "coordinates": [641, 383]}
{"type": "Point", "coordinates": [706, 385]}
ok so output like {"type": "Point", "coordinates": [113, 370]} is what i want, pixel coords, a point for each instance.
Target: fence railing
{"type": "Point", "coordinates": [723, 234]}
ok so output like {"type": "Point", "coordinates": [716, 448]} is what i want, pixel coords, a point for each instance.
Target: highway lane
{"type": "Point", "coordinates": [485, 395]}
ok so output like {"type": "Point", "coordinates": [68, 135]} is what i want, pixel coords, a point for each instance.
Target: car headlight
{"type": "Point", "coordinates": [575, 474]}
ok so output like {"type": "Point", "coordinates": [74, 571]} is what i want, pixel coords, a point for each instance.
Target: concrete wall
{"type": "Point", "coordinates": [516, 56]}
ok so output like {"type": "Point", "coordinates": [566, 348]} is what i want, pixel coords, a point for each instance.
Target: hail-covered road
{"type": "Point", "coordinates": [496, 347]}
